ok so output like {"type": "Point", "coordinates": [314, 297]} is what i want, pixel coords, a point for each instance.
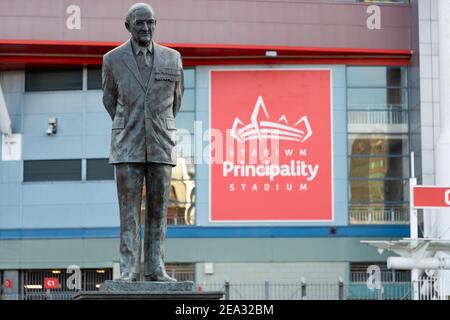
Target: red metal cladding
{"type": "Point", "coordinates": [16, 54]}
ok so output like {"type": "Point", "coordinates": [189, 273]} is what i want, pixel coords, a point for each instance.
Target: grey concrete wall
{"type": "Point", "coordinates": [430, 98]}
{"type": "Point", "coordinates": [96, 253]}
{"type": "Point", "coordinates": [272, 271]}
{"type": "Point", "coordinates": [259, 22]}
{"type": "Point", "coordinates": [429, 85]}
{"type": "Point", "coordinates": [83, 133]}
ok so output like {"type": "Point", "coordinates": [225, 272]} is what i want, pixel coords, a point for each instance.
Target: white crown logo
{"type": "Point", "coordinates": [259, 129]}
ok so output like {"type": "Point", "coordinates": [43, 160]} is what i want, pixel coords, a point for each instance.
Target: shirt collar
{"type": "Point", "coordinates": [137, 48]}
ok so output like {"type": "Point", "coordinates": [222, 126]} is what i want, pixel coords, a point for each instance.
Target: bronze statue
{"type": "Point", "coordinates": [142, 90]}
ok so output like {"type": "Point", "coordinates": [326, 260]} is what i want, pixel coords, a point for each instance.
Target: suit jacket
{"type": "Point", "coordinates": [143, 115]}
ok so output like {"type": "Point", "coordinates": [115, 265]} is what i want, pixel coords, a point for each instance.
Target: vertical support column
{"type": "Point", "coordinates": [266, 290]}
{"type": "Point", "coordinates": [413, 222]}
{"type": "Point", "coordinates": [443, 144]}
{"type": "Point", "coordinates": [116, 270]}
{"type": "Point", "coordinates": [413, 225]}
{"type": "Point", "coordinates": [341, 293]}
{"type": "Point", "coordinates": [227, 290]}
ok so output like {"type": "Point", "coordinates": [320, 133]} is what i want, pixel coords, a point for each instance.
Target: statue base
{"type": "Point", "coordinates": [152, 286]}
{"type": "Point", "coordinates": [147, 290]}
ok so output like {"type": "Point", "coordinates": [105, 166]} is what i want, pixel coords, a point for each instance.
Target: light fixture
{"type": "Point", "coordinates": [271, 53]}
{"type": "Point", "coordinates": [56, 271]}
{"type": "Point", "coordinates": [97, 285]}
{"type": "Point", "coordinates": [33, 286]}
{"type": "Point", "coordinates": [52, 126]}
{"type": "Point", "coordinates": [209, 268]}
{"type": "Point", "coordinates": [100, 271]}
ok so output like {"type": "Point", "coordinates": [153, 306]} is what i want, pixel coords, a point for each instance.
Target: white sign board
{"type": "Point", "coordinates": [11, 147]}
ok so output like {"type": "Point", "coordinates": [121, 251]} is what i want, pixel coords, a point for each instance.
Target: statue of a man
{"type": "Point", "coordinates": [142, 90]}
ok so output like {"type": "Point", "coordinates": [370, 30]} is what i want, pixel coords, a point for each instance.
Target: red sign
{"type": "Point", "coordinates": [271, 145]}
{"type": "Point", "coordinates": [431, 197]}
{"type": "Point", "coordinates": [51, 283]}
{"type": "Point", "coordinates": [9, 283]}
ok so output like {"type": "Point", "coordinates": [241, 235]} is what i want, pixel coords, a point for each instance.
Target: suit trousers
{"type": "Point", "coordinates": [130, 180]}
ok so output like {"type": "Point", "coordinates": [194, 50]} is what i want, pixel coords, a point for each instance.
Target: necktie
{"type": "Point", "coordinates": [146, 54]}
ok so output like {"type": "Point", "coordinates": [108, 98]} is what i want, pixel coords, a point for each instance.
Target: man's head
{"type": "Point", "coordinates": [141, 22]}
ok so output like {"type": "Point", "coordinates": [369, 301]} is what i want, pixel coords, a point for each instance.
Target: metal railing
{"type": "Point", "coordinates": [394, 215]}
{"type": "Point", "coordinates": [376, 1]}
{"type": "Point", "coordinates": [34, 287]}
{"type": "Point", "coordinates": [389, 276]}
{"type": "Point", "coordinates": [429, 289]}
{"type": "Point", "coordinates": [180, 275]}
{"type": "Point", "coordinates": [378, 117]}
{"type": "Point", "coordinates": [309, 290]}
{"type": "Point", "coordinates": [50, 295]}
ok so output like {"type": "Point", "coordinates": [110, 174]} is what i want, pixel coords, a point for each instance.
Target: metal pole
{"type": "Point", "coordinates": [266, 287]}
{"type": "Point", "coordinates": [227, 290]}
{"type": "Point", "coordinates": [412, 211]}
{"type": "Point", "coordinates": [413, 227]}
{"type": "Point", "coordinates": [341, 289]}
{"type": "Point", "coordinates": [303, 289]}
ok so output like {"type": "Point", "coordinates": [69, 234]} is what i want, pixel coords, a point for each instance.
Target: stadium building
{"type": "Point", "coordinates": [345, 90]}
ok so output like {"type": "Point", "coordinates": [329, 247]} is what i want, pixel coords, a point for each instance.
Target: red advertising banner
{"type": "Point", "coordinates": [431, 197]}
{"type": "Point", "coordinates": [271, 145]}
{"type": "Point", "coordinates": [9, 283]}
{"type": "Point", "coordinates": [51, 283]}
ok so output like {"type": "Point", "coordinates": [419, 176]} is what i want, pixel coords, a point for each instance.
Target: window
{"type": "Point", "coordinates": [358, 273]}
{"type": "Point", "coordinates": [378, 144]}
{"type": "Point", "coordinates": [363, 191]}
{"type": "Point", "coordinates": [182, 194]}
{"type": "Point", "coordinates": [99, 169]}
{"type": "Point", "coordinates": [364, 144]}
{"type": "Point", "coordinates": [67, 170]}
{"type": "Point", "coordinates": [51, 80]}
{"type": "Point", "coordinates": [52, 170]}
{"type": "Point", "coordinates": [379, 167]}
{"type": "Point", "coordinates": [179, 271]}
{"type": "Point", "coordinates": [181, 209]}
{"type": "Point", "coordinates": [94, 78]}
{"type": "Point", "coordinates": [377, 98]}
{"type": "Point", "coordinates": [33, 283]}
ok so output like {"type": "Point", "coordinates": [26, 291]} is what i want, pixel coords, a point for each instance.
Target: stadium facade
{"type": "Point", "coordinates": [353, 84]}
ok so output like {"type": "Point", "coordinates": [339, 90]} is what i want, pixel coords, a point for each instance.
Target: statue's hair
{"type": "Point", "coordinates": [134, 8]}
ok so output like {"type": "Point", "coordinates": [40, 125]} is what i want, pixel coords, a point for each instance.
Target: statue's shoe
{"type": "Point", "coordinates": [164, 277]}
{"type": "Point", "coordinates": [129, 276]}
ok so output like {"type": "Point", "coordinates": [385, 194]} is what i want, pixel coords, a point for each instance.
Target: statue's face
{"type": "Point", "coordinates": [142, 26]}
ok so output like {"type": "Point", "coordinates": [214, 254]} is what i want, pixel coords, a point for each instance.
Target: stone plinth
{"type": "Point", "coordinates": [147, 290]}
{"type": "Point", "coordinates": [139, 295]}
{"type": "Point", "coordinates": [142, 286]}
